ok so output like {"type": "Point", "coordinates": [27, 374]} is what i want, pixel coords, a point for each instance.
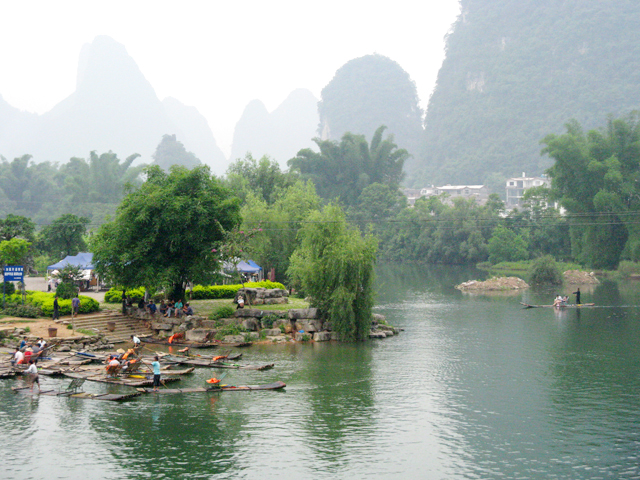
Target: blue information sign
{"type": "Point", "coordinates": [13, 273]}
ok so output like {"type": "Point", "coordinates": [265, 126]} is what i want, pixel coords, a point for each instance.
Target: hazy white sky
{"type": "Point", "coordinates": [214, 55]}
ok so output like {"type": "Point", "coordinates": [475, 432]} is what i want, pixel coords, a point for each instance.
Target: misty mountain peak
{"type": "Point", "coordinates": [106, 68]}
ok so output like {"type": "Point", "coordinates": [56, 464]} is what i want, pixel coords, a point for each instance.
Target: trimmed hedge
{"type": "Point", "coordinates": [114, 295]}
{"type": "Point", "coordinates": [44, 301]}
{"type": "Point", "coordinates": [199, 292]}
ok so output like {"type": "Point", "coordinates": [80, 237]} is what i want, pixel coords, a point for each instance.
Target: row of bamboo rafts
{"type": "Point", "coordinates": [181, 342]}
{"type": "Point", "coordinates": [222, 361]}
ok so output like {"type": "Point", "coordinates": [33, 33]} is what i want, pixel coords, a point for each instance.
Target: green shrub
{"type": "Point", "coordinates": [9, 288]}
{"type": "Point", "coordinates": [114, 295]}
{"type": "Point", "coordinates": [544, 271]}
{"type": "Point", "coordinates": [199, 292]}
{"type": "Point", "coordinates": [224, 311]}
{"type": "Point", "coordinates": [231, 329]}
{"type": "Point", "coordinates": [66, 290]}
{"type": "Point", "coordinates": [22, 311]}
{"type": "Point", "coordinates": [269, 320]}
{"type": "Point", "coordinates": [44, 301]}
{"type": "Point", "coordinates": [306, 337]}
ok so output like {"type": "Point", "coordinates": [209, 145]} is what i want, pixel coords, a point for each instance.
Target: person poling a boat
{"type": "Point", "coordinates": [577, 294]}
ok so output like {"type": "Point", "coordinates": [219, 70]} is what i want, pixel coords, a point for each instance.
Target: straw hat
{"type": "Point", "coordinates": [120, 350]}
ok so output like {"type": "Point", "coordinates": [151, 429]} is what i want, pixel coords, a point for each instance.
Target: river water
{"type": "Point", "coordinates": [475, 387]}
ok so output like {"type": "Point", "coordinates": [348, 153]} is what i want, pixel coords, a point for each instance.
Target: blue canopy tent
{"type": "Point", "coordinates": [250, 267]}
{"type": "Point", "coordinates": [83, 260]}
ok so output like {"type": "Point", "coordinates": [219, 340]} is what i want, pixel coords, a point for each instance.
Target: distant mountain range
{"type": "Point", "coordinates": [113, 108]}
{"type": "Point", "coordinates": [279, 134]}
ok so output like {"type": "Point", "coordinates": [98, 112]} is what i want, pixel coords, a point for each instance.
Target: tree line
{"type": "Point", "coordinates": [322, 223]}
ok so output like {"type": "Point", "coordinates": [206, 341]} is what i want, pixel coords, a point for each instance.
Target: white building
{"type": "Point", "coordinates": [516, 187]}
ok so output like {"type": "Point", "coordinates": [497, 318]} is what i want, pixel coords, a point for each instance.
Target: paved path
{"type": "Point", "coordinates": [40, 284]}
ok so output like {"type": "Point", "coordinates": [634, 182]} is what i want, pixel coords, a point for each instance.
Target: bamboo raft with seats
{"type": "Point", "coordinates": [569, 305]}
{"type": "Point", "coordinates": [221, 388]}
{"type": "Point", "coordinates": [127, 381]}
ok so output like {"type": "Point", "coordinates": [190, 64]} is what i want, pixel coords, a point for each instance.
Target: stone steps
{"type": "Point", "coordinates": [124, 326]}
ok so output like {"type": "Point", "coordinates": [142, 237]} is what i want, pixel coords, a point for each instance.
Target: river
{"type": "Point", "coordinates": [474, 388]}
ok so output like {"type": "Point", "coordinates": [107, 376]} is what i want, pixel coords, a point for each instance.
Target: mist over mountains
{"type": "Point", "coordinates": [279, 134]}
{"type": "Point", "coordinates": [113, 108]}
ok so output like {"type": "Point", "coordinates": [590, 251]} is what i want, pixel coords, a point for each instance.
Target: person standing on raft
{"type": "Point", "coordinates": [577, 294]}
{"type": "Point", "coordinates": [156, 373]}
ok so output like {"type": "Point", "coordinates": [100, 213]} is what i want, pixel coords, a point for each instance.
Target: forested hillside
{"type": "Point", "coordinates": [516, 70]}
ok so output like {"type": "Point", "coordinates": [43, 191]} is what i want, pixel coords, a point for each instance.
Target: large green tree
{"type": "Point", "coordinates": [17, 226]}
{"type": "Point", "coordinates": [64, 236]}
{"type": "Point", "coordinates": [263, 178]}
{"type": "Point", "coordinates": [164, 231]}
{"type": "Point", "coordinates": [280, 223]}
{"type": "Point", "coordinates": [335, 266]}
{"type": "Point", "coordinates": [596, 177]}
{"type": "Point", "coordinates": [344, 169]}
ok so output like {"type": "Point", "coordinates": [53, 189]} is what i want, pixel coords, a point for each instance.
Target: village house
{"type": "Point", "coordinates": [479, 193]}
{"type": "Point", "coordinates": [516, 187]}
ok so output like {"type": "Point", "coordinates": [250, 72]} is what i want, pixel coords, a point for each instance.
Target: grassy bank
{"type": "Point", "coordinates": [520, 269]}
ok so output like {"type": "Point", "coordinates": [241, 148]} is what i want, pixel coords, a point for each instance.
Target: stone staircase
{"type": "Point", "coordinates": [99, 323]}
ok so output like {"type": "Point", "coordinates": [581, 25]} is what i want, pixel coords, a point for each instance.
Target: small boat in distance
{"type": "Point", "coordinates": [569, 305]}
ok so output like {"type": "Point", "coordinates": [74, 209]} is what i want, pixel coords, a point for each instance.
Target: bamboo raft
{"type": "Point", "coordinates": [222, 388]}
{"type": "Point", "coordinates": [112, 397]}
{"type": "Point", "coordinates": [570, 305]}
{"type": "Point", "coordinates": [178, 343]}
{"type": "Point", "coordinates": [201, 362]}
{"type": "Point", "coordinates": [127, 381]}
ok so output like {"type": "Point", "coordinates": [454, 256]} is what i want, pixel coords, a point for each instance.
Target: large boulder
{"type": "Point", "coordinates": [271, 332]}
{"type": "Point", "coordinates": [376, 318]}
{"type": "Point", "coordinates": [377, 334]}
{"type": "Point", "coordinates": [161, 326]}
{"type": "Point", "coordinates": [251, 324]}
{"type": "Point", "coordinates": [275, 293]}
{"type": "Point", "coordinates": [322, 336]}
{"type": "Point", "coordinates": [298, 313]}
{"type": "Point", "coordinates": [285, 323]}
{"type": "Point", "coordinates": [209, 324]}
{"type": "Point", "coordinates": [233, 338]}
{"type": "Point", "coordinates": [302, 337]}
{"type": "Point", "coordinates": [308, 325]}
{"type": "Point", "coordinates": [197, 335]}
{"type": "Point", "coordinates": [249, 312]}
{"type": "Point", "coordinates": [276, 300]}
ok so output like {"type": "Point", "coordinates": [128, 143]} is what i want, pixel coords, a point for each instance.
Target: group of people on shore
{"type": "Point", "coordinates": [27, 354]}
{"type": "Point", "coordinates": [166, 309]}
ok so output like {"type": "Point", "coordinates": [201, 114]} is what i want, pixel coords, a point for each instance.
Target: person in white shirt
{"type": "Point", "coordinates": [136, 341]}
{"type": "Point", "coordinates": [33, 376]}
{"type": "Point", "coordinates": [18, 357]}
{"type": "Point", "coordinates": [112, 367]}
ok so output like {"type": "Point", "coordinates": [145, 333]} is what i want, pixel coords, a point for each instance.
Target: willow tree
{"type": "Point", "coordinates": [335, 266]}
{"type": "Point", "coordinates": [163, 232]}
